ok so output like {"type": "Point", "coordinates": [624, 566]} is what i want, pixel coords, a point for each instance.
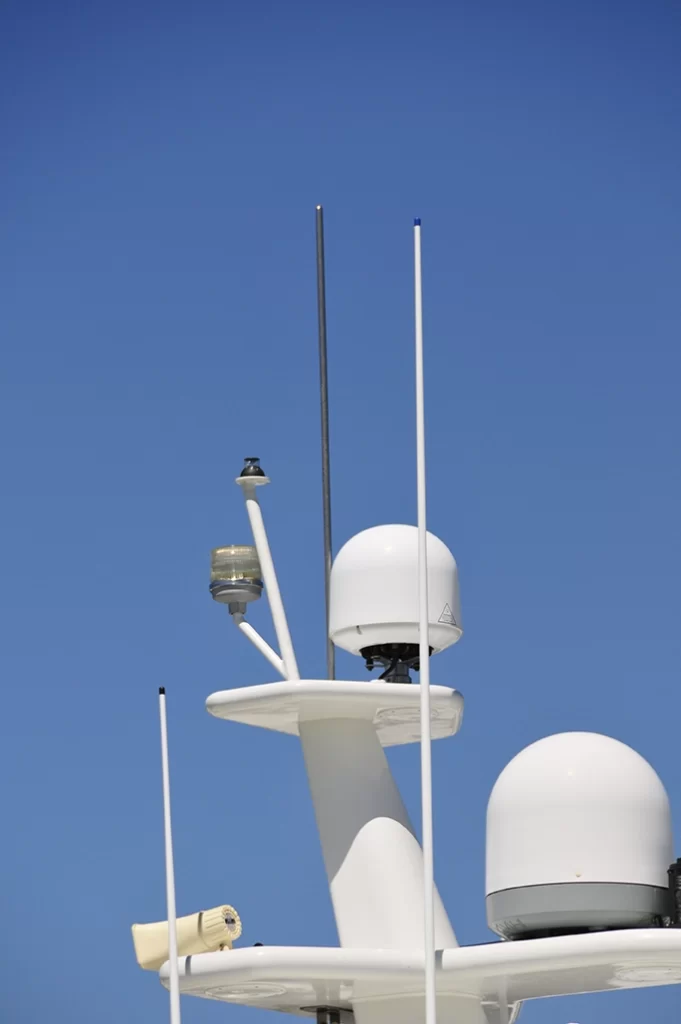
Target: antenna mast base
{"type": "Point", "coordinates": [397, 659]}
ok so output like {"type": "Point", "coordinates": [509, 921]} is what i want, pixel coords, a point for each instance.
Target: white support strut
{"type": "Point", "coordinates": [270, 578]}
{"type": "Point", "coordinates": [259, 642]}
{"type": "Point", "coordinates": [372, 857]}
{"type": "Point", "coordinates": [170, 869]}
{"type": "Point", "coordinates": [424, 646]}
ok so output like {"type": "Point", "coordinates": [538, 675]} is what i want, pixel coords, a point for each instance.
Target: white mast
{"type": "Point", "coordinates": [424, 646]}
{"type": "Point", "coordinates": [380, 878]}
{"type": "Point", "coordinates": [170, 870]}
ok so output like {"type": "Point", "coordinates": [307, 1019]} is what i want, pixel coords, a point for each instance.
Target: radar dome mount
{"type": "Point", "coordinates": [374, 608]}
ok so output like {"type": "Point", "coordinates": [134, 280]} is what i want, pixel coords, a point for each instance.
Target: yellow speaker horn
{"type": "Point", "coordinates": [204, 932]}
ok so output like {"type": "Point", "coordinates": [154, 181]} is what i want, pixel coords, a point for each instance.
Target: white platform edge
{"type": "Point", "coordinates": [392, 707]}
{"type": "Point", "coordinates": [288, 978]}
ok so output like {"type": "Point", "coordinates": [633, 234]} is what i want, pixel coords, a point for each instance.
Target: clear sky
{"type": "Point", "coordinates": [161, 163]}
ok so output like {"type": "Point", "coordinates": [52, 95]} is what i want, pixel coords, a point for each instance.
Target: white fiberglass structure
{"type": "Point", "coordinates": [570, 811]}
{"type": "Point", "coordinates": [373, 862]}
{"type": "Point", "coordinates": [580, 880]}
{"type": "Point", "coordinates": [374, 591]}
{"type": "Point", "coordinates": [579, 836]}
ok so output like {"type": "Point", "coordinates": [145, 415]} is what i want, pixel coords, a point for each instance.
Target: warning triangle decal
{"type": "Point", "coordinates": [447, 616]}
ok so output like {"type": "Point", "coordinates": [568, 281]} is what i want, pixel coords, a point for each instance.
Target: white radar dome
{"type": "Point", "coordinates": [579, 838]}
{"type": "Point", "coordinates": [374, 599]}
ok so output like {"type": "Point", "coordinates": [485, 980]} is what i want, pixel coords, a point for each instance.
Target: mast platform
{"type": "Point", "coordinates": [296, 979]}
{"type": "Point", "coordinates": [393, 708]}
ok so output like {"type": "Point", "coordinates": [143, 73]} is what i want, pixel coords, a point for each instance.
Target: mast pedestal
{"type": "Point", "coordinates": [365, 831]}
{"type": "Point", "coordinates": [373, 860]}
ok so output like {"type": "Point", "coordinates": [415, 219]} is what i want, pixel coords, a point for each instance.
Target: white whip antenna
{"type": "Point", "coordinates": [324, 404]}
{"type": "Point", "coordinates": [170, 870]}
{"type": "Point", "coordinates": [424, 646]}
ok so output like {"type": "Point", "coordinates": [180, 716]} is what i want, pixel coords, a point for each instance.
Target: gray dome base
{"type": "Point", "coordinates": [536, 910]}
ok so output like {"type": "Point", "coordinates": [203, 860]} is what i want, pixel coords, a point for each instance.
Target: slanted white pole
{"type": "Point", "coordinates": [424, 646]}
{"type": "Point", "coordinates": [170, 870]}
{"type": "Point", "coordinates": [259, 642]}
{"type": "Point", "coordinates": [270, 578]}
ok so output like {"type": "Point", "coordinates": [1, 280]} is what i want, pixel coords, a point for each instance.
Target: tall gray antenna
{"type": "Point", "coordinates": [324, 398]}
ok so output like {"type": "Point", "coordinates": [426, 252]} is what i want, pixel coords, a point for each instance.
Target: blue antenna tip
{"type": "Point", "coordinates": [417, 222]}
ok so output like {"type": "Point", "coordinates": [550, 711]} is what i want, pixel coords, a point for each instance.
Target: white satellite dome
{"type": "Point", "coordinates": [579, 837]}
{"type": "Point", "coordinates": [374, 597]}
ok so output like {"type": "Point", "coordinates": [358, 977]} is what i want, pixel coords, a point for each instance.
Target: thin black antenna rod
{"type": "Point", "coordinates": [324, 398]}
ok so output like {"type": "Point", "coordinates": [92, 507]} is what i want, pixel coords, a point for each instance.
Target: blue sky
{"type": "Point", "coordinates": [160, 170]}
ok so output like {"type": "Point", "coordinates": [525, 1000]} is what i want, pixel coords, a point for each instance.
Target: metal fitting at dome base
{"type": "Point", "coordinates": [330, 1014]}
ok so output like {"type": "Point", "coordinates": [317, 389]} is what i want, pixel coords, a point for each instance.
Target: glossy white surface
{"type": "Point", "coordinates": [430, 943]}
{"type": "Point", "coordinates": [170, 870]}
{"type": "Point", "coordinates": [373, 860]}
{"type": "Point", "coordinates": [578, 807]}
{"type": "Point", "coordinates": [393, 708]}
{"type": "Point", "coordinates": [289, 978]}
{"type": "Point", "coordinates": [259, 642]}
{"type": "Point", "coordinates": [374, 590]}
{"type": "Point", "coordinates": [248, 486]}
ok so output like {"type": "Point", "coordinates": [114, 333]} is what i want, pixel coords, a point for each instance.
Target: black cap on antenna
{"type": "Point", "coordinates": [252, 467]}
